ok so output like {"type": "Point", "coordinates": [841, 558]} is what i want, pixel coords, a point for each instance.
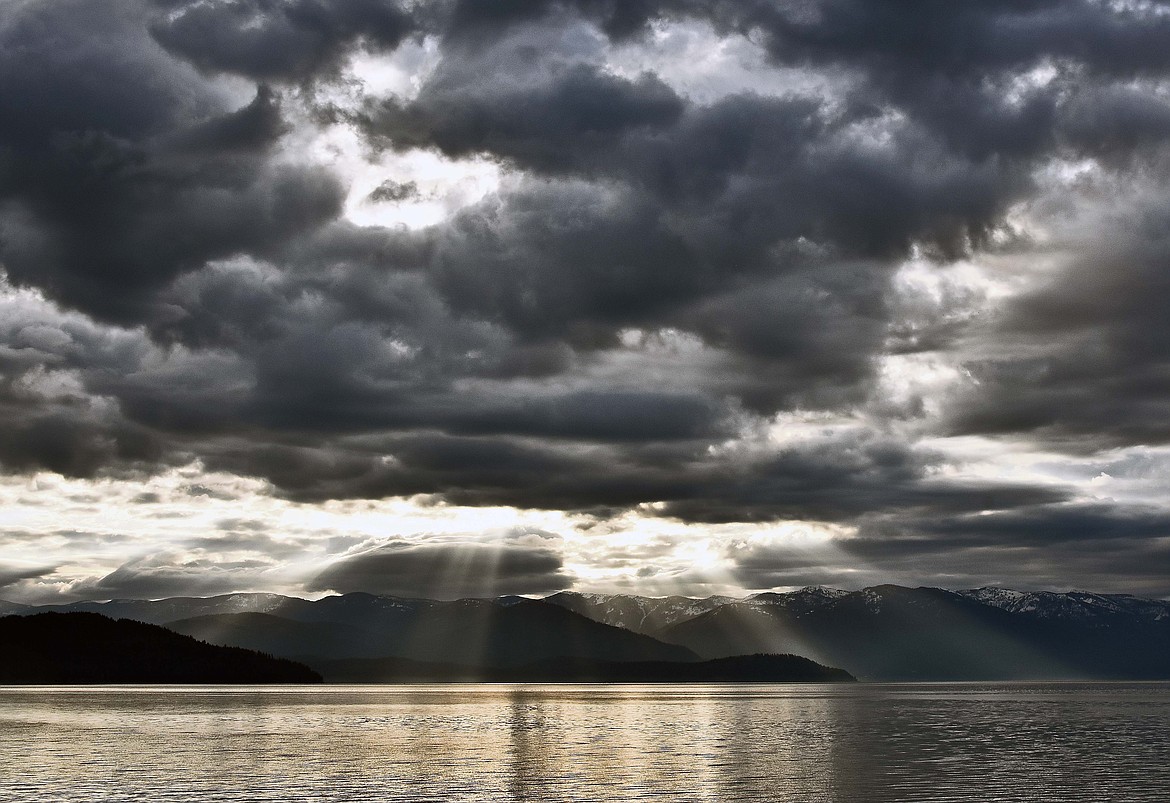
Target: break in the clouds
{"type": "Point", "coordinates": [731, 296]}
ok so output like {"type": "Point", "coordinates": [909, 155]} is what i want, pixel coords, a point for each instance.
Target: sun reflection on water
{"type": "Point", "coordinates": [941, 742]}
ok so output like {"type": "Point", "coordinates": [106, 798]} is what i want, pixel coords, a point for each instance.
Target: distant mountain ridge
{"type": "Point", "coordinates": [879, 633]}
{"type": "Point", "coordinates": [632, 612]}
{"type": "Point", "coordinates": [645, 615]}
{"type": "Point", "coordinates": [161, 611]}
{"type": "Point", "coordinates": [895, 633]}
{"type": "Point", "coordinates": [1070, 605]}
{"type": "Point", "coordinates": [462, 632]}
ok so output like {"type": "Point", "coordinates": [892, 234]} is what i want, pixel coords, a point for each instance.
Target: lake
{"type": "Point", "coordinates": [520, 742]}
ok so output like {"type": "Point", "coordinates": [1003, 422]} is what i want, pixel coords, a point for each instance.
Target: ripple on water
{"type": "Point", "coordinates": [485, 743]}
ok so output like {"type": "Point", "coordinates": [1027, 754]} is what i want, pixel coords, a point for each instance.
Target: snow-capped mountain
{"type": "Point", "coordinates": [1074, 605]}
{"type": "Point", "coordinates": [640, 614]}
{"type": "Point", "coordinates": [884, 632]}
{"type": "Point", "coordinates": [798, 602]}
{"type": "Point", "coordinates": [894, 633]}
{"type": "Point", "coordinates": [161, 611]}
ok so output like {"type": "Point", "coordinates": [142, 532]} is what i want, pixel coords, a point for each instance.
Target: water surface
{"type": "Point", "coordinates": [548, 743]}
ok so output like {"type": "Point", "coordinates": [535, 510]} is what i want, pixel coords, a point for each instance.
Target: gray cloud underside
{"type": "Point", "coordinates": [12, 575]}
{"type": "Point", "coordinates": [166, 575]}
{"type": "Point", "coordinates": [447, 570]}
{"type": "Point", "coordinates": [209, 300]}
{"type": "Point", "coordinates": [1088, 545]}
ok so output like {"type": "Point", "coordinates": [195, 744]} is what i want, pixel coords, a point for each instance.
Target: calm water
{"type": "Point", "coordinates": [1025, 742]}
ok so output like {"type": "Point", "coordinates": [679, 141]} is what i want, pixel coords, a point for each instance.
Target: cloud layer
{"type": "Point", "coordinates": [898, 270]}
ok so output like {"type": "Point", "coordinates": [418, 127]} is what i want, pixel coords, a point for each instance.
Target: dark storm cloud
{"type": "Point", "coordinates": [447, 570]}
{"type": "Point", "coordinates": [841, 480]}
{"type": "Point", "coordinates": [252, 128]}
{"type": "Point", "coordinates": [1065, 546]}
{"type": "Point", "coordinates": [838, 479]}
{"type": "Point", "coordinates": [294, 40]}
{"type": "Point", "coordinates": [731, 171]}
{"type": "Point", "coordinates": [471, 21]}
{"type": "Point", "coordinates": [70, 443]}
{"type": "Point", "coordinates": [1088, 365]}
{"type": "Point", "coordinates": [1096, 545]}
{"type": "Point", "coordinates": [1055, 524]}
{"type": "Point", "coordinates": [598, 416]}
{"type": "Point", "coordinates": [963, 37]}
{"type": "Point", "coordinates": [1111, 122]}
{"type": "Point", "coordinates": [948, 64]}
{"type": "Point", "coordinates": [123, 169]}
{"type": "Point", "coordinates": [50, 420]}
{"type": "Point", "coordinates": [551, 259]}
{"type": "Point", "coordinates": [805, 339]}
{"type": "Point", "coordinates": [768, 226]}
{"type": "Point", "coordinates": [537, 123]}
{"type": "Point", "coordinates": [505, 355]}
{"type": "Point", "coordinates": [471, 470]}
{"type": "Point", "coordinates": [578, 262]}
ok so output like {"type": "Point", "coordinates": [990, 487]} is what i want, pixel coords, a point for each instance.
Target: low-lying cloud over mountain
{"type": "Point", "coordinates": [446, 570]}
{"type": "Point", "coordinates": [727, 295]}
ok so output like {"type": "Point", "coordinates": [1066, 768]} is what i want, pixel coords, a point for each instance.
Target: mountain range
{"type": "Point", "coordinates": [892, 633]}
{"type": "Point", "coordinates": [883, 633]}
{"type": "Point", "coordinates": [467, 632]}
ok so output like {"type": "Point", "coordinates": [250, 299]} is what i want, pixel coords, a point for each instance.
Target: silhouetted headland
{"type": "Point", "coordinates": [52, 648]}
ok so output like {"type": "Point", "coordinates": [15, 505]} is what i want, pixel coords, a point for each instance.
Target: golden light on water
{"type": "Point", "coordinates": [555, 744]}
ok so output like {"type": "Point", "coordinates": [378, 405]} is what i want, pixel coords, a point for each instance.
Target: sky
{"type": "Point", "coordinates": [465, 298]}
